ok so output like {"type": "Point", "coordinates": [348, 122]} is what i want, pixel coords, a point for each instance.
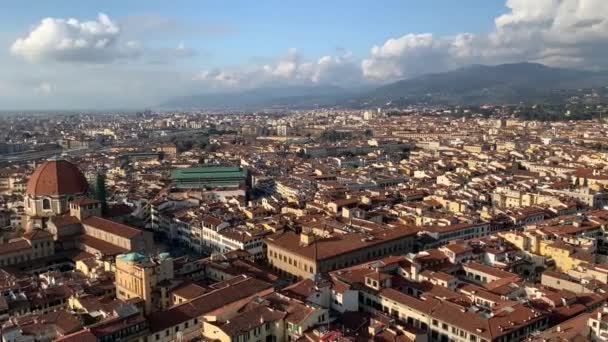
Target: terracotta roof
{"type": "Point", "coordinates": [109, 327]}
{"type": "Point", "coordinates": [502, 322]}
{"type": "Point", "coordinates": [296, 310]}
{"type": "Point", "coordinates": [14, 246]}
{"type": "Point", "coordinates": [64, 220]}
{"type": "Point", "coordinates": [390, 335]}
{"type": "Point", "coordinates": [325, 248]}
{"type": "Point", "coordinates": [248, 320]}
{"type": "Point", "coordinates": [437, 275]}
{"type": "Point", "coordinates": [206, 303]}
{"type": "Point", "coordinates": [62, 321]}
{"type": "Point", "coordinates": [568, 330]}
{"type": "Point", "coordinates": [189, 290]}
{"type": "Point", "coordinates": [80, 336]}
{"type": "Point", "coordinates": [38, 234]}
{"type": "Point", "coordinates": [493, 271]}
{"type": "Point", "coordinates": [56, 177]}
{"type": "Point", "coordinates": [211, 220]}
{"type": "Point", "coordinates": [301, 289]}
{"type": "Point", "coordinates": [111, 227]}
{"type": "Point", "coordinates": [105, 248]}
{"type": "Point", "coordinates": [458, 248]}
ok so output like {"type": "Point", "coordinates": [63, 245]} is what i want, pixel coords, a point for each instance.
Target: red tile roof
{"type": "Point", "coordinates": [112, 227]}
{"type": "Point", "coordinates": [325, 248]}
{"type": "Point", "coordinates": [14, 246]}
{"type": "Point", "coordinates": [105, 248]}
{"type": "Point", "coordinates": [206, 303]}
{"type": "Point", "coordinates": [56, 177]}
{"type": "Point", "coordinates": [38, 234]}
{"type": "Point", "coordinates": [79, 336]}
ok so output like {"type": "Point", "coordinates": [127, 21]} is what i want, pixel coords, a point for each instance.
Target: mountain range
{"type": "Point", "coordinates": [475, 84]}
{"type": "Point", "coordinates": [266, 97]}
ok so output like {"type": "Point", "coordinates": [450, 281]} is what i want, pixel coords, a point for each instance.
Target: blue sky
{"type": "Point", "coordinates": [78, 54]}
{"type": "Point", "coordinates": [248, 29]}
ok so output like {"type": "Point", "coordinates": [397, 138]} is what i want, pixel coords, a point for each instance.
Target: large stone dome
{"type": "Point", "coordinates": [56, 178]}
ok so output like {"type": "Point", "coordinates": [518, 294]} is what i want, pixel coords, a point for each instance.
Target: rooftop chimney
{"type": "Point", "coordinates": [306, 238]}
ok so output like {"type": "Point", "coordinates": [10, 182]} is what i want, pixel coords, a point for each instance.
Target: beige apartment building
{"type": "Point", "coordinates": [259, 324]}
{"type": "Point", "coordinates": [305, 255]}
{"type": "Point", "coordinates": [33, 245]}
{"type": "Point", "coordinates": [138, 276]}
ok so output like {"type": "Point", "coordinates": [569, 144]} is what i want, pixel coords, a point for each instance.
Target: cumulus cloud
{"type": "Point", "coordinates": [291, 68]}
{"type": "Point", "coordinates": [569, 33]}
{"type": "Point", "coordinates": [336, 69]}
{"type": "Point", "coordinates": [406, 55]}
{"type": "Point", "coordinates": [71, 40]}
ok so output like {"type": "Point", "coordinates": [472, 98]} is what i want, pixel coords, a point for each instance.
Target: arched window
{"type": "Point", "coordinates": [46, 204]}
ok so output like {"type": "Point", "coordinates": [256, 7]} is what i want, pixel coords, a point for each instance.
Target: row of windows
{"type": "Point", "coordinates": [42, 244]}
{"type": "Point", "coordinates": [123, 333]}
{"type": "Point", "coordinates": [460, 233]}
{"type": "Point", "coordinates": [252, 333]}
{"type": "Point", "coordinates": [107, 237]}
{"type": "Point", "coordinates": [456, 331]}
{"type": "Point", "coordinates": [371, 254]}
{"type": "Point", "coordinates": [375, 253]}
{"type": "Point", "coordinates": [290, 261]}
{"type": "Point", "coordinates": [255, 244]}
{"type": "Point", "coordinates": [176, 329]}
{"type": "Point", "coordinates": [23, 258]}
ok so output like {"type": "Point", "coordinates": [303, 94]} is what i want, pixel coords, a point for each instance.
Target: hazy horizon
{"type": "Point", "coordinates": [73, 55]}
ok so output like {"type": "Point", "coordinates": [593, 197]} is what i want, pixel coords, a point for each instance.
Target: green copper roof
{"type": "Point", "coordinates": [207, 172]}
{"type": "Point", "coordinates": [132, 257]}
{"type": "Point", "coordinates": [164, 255]}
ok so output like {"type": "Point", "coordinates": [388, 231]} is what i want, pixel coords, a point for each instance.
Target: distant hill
{"type": "Point", "coordinates": [289, 96]}
{"type": "Point", "coordinates": [476, 84]}
{"type": "Point", "coordinates": [472, 85]}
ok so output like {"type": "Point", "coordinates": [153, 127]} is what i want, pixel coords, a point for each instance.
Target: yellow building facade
{"type": "Point", "coordinates": [138, 276]}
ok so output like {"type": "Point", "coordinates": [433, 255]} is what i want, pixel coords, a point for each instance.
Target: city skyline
{"type": "Point", "coordinates": [137, 55]}
{"type": "Point", "coordinates": [304, 171]}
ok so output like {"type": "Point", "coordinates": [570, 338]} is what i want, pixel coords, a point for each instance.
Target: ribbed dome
{"type": "Point", "coordinates": [56, 177]}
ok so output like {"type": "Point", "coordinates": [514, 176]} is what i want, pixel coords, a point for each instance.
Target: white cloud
{"type": "Point", "coordinates": [409, 54]}
{"type": "Point", "coordinates": [568, 33]}
{"type": "Point", "coordinates": [337, 69]}
{"type": "Point", "coordinates": [71, 40]}
{"type": "Point", "coordinates": [290, 68]}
